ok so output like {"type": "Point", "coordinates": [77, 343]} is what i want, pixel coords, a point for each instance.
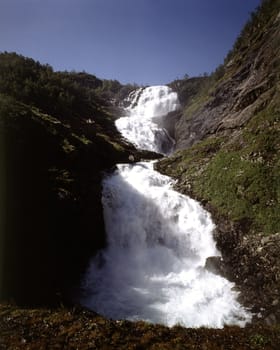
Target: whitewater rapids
{"type": "Point", "coordinates": [153, 268]}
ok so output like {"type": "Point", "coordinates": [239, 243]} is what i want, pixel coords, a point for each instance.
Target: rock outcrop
{"type": "Point", "coordinates": [228, 153]}
{"type": "Point", "coordinates": [247, 83]}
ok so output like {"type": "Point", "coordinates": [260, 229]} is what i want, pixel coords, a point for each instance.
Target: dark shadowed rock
{"type": "Point", "coordinates": [216, 265]}
{"type": "Point", "coordinates": [54, 164]}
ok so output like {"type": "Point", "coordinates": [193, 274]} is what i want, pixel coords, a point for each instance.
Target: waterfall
{"type": "Point", "coordinates": [153, 268]}
{"type": "Point", "coordinates": [139, 127]}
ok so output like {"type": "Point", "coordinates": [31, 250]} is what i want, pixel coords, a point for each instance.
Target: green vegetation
{"type": "Point", "coordinates": [235, 165]}
{"type": "Point", "coordinates": [60, 94]}
{"type": "Point", "coordinates": [58, 137]}
{"type": "Point", "coordinates": [255, 28]}
{"type": "Point", "coordinates": [196, 93]}
{"type": "Point", "coordinates": [238, 177]}
{"type": "Point", "coordinates": [117, 146]}
{"type": "Point", "coordinates": [259, 341]}
{"type": "Point", "coordinates": [114, 91]}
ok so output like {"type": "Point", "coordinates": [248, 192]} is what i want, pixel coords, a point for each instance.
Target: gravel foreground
{"type": "Point", "coordinates": [76, 328]}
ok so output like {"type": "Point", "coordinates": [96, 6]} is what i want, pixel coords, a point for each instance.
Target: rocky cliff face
{"type": "Point", "coordinates": [246, 84]}
{"type": "Point", "coordinates": [228, 157]}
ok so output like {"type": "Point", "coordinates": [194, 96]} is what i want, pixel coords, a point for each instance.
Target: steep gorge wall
{"type": "Point", "coordinates": [247, 83]}
{"type": "Point", "coordinates": [228, 157]}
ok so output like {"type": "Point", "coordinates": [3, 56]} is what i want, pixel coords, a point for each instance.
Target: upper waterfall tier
{"type": "Point", "coordinates": [140, 127]}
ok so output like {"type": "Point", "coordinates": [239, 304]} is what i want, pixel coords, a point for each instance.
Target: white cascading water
{"type": "Point", "coordinates": [139, 126]}
{"type": "Point", "coordinates": [158, 241]}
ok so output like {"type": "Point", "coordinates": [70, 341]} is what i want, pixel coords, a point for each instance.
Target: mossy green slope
{"type": "Point", "coordinates": [240, 177]}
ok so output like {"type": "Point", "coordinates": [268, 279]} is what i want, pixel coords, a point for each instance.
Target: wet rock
{"type": "Point", "coordinates": [270, 320]}
{"type": "Point", "coordinates": [215, 264]}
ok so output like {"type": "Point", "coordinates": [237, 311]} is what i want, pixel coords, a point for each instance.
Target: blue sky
{"type": "Point", "coordinates": [136, 41]}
